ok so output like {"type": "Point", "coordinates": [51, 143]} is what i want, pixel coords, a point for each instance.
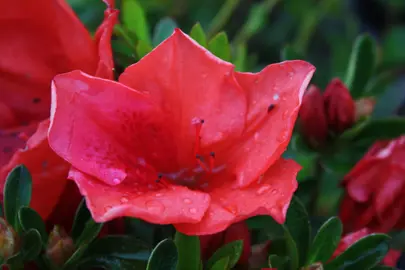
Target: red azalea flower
{"type": "Point", "coordinates": [181, 139]}
{"type": "Point", "coordinates": [41, 39]}
{"type": "Point", "coordinates": [314, 125]}
{"type": "Point", "coordinates": [374, 189]}
{"type": "Point", "coordinates": [238, 231]}
{"type": "Point", "coordinates": [390, 258]}
{"type": "Point", "coordinates": [339, 105]}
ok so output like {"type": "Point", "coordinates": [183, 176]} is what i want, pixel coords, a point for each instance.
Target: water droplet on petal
{"type": "Point", "coordinates": [116, 181]}
{"type": "Point", "coordinates": [107, 208]}
{"type": "Point", "coordinates": [187, 201]}
{"type": "Point", "coordinates": [155, 206]}
{"type": "Point", "coordinates": [263, 189]}
{"type": "Point", "coordinates": [124, 200]}
{"type": "Point", "coordinates": [192, 210]}
{"type": "Point", "coordinates": [256, 136]}
{"type": "Point", "coordinates": [158, 195]}
{"type": "Point", "coordinates": [231, 208]}
{"type": "Point", "coordinates": [276, 97]}
{"type": "Point", "coordinates": [274, 191]}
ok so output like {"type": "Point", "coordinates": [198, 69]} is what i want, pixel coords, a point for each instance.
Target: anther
{"type": "Point", "coordinates": [270, 108]}
{"type": "Point", "coordinates": [212, 161]}
{"type": "Point", "coordinates": [200, 161]}
{"type": "Point", "coordinates": [161, 181]}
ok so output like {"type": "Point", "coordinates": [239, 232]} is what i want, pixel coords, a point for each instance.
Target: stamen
{"type": "Point", "coordinates": [270, 108]}
{"type": "Point", "coordinates": [212, 161]}
{"type": "Point", "coordinates": [200, 161]}
{"type": "Point", "coordinates": [198, 126]}
{"type": "Point", "coordinates": [161, 181]}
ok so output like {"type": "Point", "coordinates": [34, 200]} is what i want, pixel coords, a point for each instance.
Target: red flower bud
{"type": "Point", "coordinates": [238, 231]}
{"type": "Point", "coordinates": [60, 246]}
{"type": "Point", "coordinates": [340, 106]}
{"type": "Point", "coordinates": [313, 119]}
{"type": "Point", "coordinates": [8, 240]}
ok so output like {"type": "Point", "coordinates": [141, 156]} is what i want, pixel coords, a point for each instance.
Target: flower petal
{"type": "Point", "coordinates": [171, 204]}
{"type": "Point", "coordinates": [37, 41]}
{"type": "Point", "coordinates": [270, 195]}
{"type": "Point", "coordinates": [48, 171]}
{"type": "Point", "coordinates": [269, 128]}
{"type": "Point", "coordinates": [106, 129]}
{"type": "Point", "coordinates": [191, 83]}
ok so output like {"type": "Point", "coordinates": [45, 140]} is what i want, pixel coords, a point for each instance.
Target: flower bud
{"type": "Point", "coordinates": [339, 105]}
{"type": "Point", "coordinates": [314, 126]}
{"type": "Point", "coordinates": [364, 107]}
{"type": "Point", "coordinates": [60, 246]}
{"type": "Point", "coordinates": [8, 240]}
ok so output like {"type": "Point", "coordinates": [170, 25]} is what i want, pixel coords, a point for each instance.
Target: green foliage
{"type": "Point", "coordinates": [219, 46]}
{"type": "Point", "coordinates": [232, 251]}
{"type": "Point", "coordinates": [164, 256]}
{"type": "Point", "coordinates": [188, 249]}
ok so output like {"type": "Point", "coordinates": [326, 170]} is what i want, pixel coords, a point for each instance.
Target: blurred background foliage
{"type": "Point", "coordinates": [261, 32]}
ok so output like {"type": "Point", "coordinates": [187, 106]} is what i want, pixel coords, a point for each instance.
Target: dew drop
{"type": "Point", "coordinates": [285, 114]}
{"type": "Point", "coordinates": [158, 195]}
{"type": "Point", "coordinates": [276, 97]}
{"type": "Point", "coordinates": [263, 189]}
{"type": "Point", "coordinates": [274, 191]}
{"type": "Point", "coordinates": [192, 210]}
{"type": "Point", "coordinates": [107, 208]}
{"type": "Point", "coordinates": [155, 206]}
{"type": "Point", "coordinates": [231, 208]}
{"type": "Point", "coordinates": [124, 200]}
{"type": "Point", "coordinates": [256, 136]}
{"type": "Point", "coordinates": [116, 181]}
{"type": "Point", "coordinates": [187, 201]}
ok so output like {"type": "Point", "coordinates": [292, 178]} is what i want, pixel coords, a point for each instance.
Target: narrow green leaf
{"type": "Point", "coordinates": [222, 264]}
{"type": "Point", "coordinates": [17, 193]}
{"type": "Point", "coordinates": [164, 256]}
{"type": "Point", "coordinates": [219, 46]}
{"type": "Point", "coordinates": [277, 262]}
{"type": "Point", "coordinates": [29, 219]}
{"type": "Point", "coordinates": [134, 20]}
{"type": "Point", "coordinates": [142, 49]}
{"type": "Point", "coordinates": [362, 64]}
{"type": "Point", "coordinates": [31, 245]}
{"type": "Point", "coordinates": [383, 267]}
{"type": "Point", "coordinates": [163, 29]}
{"type": "Point", "coordinates": [120, 246]}
{"type": "Point", "coordinates": [74, 261]}
{"type": "Point", "coordinates": [197, 33]}
{"type": "Point", "coordinates": [240, 57]}
{"type": "Point", "coordinates": [285, 247]}
{"type": "Point", "coordinates": [109, 263]}
{"type": "Point", "coordinates": [363, 254]}
{"type": "Point", "coordinates": [297, 223]}
{"type": "Point", "coordinates": [232, 250]}
{"type": "Point", "coordinates": [379, 84]}
{"type": "Point", "coordinates": [188, 249]}
{"type": "Point", "coordinates": [90, 232]}
{"type": "Point", "coordinates": [326, 241]}
{"type": "Point", "coordinates": [289, 53]}
{"type": "Point", "coordinates": [376, 129]}
{"type": "Point", "coordinates": [79, 222]}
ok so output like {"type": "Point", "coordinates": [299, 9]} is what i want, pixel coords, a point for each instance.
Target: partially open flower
{"type": "Point", "coordinates": [60, 246]}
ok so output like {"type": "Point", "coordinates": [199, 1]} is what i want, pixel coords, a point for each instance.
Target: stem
{"type": "Point", "coordinates": [222, 17]}
{"type": "Point", "coordinates": [255, 21]}
{"type": "Point", "coordinates": [313, 204]}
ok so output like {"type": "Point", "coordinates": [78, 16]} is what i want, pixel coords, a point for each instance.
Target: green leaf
{"type": "Point", "coordinates": [74, 261]}
{"type": "Point", "coordinates": [142, 49]}
{"type": "Point", "coordinates": [382, 267]}
{"type": "Point", "coordinates": [17, 193]}
{"type": "Point", "coordinates": [277, 262]}
{"type": "Point", "coordinates": [379, 84]}
{"type": "Point", "coordinates": [285, 247]}
{"type": "Point", "coordinates": [109, 263]}
{"type": "Point", "coordinates": [221, 264]}
{"type": "Point", "coordinates": [79, 222]}
{"type": "Point", "coordinates": [363, 254]}
{"type": "Point", "coordinates": [240, 57]}
{"type": "Point", "coordinates": [326, 241]}
{"type": "Point", "coordinates": [120, 246]}
{"type": "Point", "coordinates": [163, 29]}
{"type": "Point", "coordinates": [219, 46]}
{"type": "Point", "coordinates": [134, 20]}
{"type": "Point", "coordinates": [232, 250]}
{"type": "Point", "coordinates": [375, 129]}
{"type": "Point", "coordinates": [197, 33]}
{"type": "Point", "coordinates": [393, 51]}
{"type": "Point", "coordinates": [30, 219]}
{"type": "Point", "coordinates": [362, 64]}
{"type": "Point", "coordinates": [297, 223]}
{"type": "Point", "coordinates": [31, 245]}
{"type": "Point", "coordinates": [289, 53]}
{"type": "Point", "coordinates": [90, 232]}
{"type": "Point", "coordinates": [188, 249]}
{"type": "Point", "coordinates": [164, 256]}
